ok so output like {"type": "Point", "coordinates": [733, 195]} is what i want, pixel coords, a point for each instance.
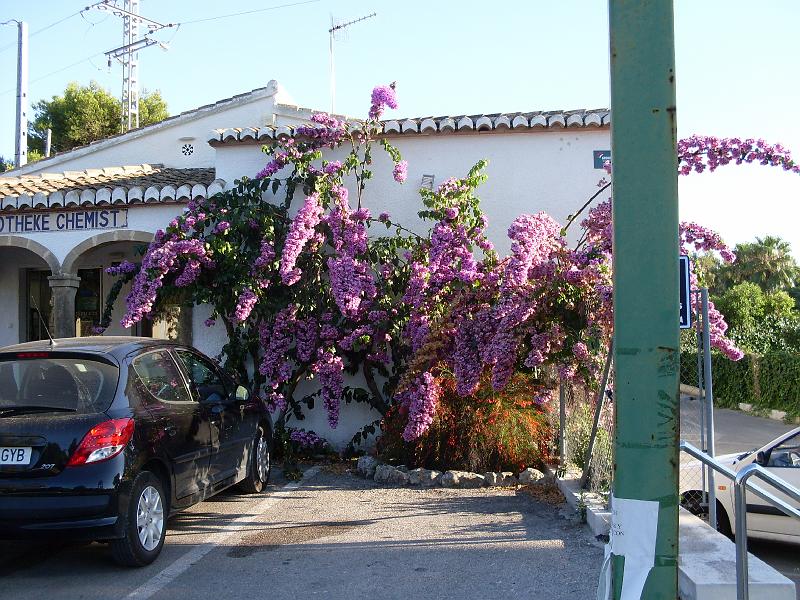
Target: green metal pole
{"type": "Point", "coordinates": [645, 212]}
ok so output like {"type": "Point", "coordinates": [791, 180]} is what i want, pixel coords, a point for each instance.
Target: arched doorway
{"type": "Point", "coordinates": [26, 268]}
{"type": "Point", "coordinates": [89, 261]}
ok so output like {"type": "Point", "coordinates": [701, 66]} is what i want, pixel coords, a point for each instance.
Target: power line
{"type": "Point", "coordinates": [176, 25]}
{"type": "Point", "coordinates": [56, 72]}
{"type": "Point", "coordinates": [248, 12]}
{"type": "Point", "coordinates": [38, 31]}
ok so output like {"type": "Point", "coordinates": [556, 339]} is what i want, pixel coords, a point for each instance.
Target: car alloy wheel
{"type": "Point", "coordinates": [258, 474]}
{"type": "Point", "coordinates": [150, 518]}
{"type": "Point", "coordinates": [262, 459]}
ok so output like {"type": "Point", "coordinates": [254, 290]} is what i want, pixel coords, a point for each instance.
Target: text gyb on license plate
{"type": "Point", "coordinates": [15, 456]}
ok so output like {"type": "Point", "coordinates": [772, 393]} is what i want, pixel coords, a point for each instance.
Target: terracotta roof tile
{"type": "Point", "coordinates": [114, 185]}
{"type": "Point", "coordinates": [503, 122]}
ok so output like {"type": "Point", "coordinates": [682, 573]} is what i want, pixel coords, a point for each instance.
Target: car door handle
{"type": "Point", "coordinates": [171, 430]}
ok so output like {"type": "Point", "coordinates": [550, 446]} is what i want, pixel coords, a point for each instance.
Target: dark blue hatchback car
{"type": "Point", "coordinates": [102, 438]}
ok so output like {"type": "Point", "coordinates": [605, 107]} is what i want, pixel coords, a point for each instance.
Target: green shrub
{"type": "Point", "coordinates": [770, 381]}
{"type": "Point", "coordinates": [779, 382]}
{"type": "Point", "coordinates": [734, 382]}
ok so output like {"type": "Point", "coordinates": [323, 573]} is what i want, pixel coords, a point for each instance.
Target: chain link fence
{"type": "Point", "coordinates": [587, 422]}
{"type": "Point", "coordinates": [588, 436]}
{"type": "Point", "coordinates": [694, 418]}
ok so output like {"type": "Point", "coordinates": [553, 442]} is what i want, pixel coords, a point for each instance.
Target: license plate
{"type": "Point", "coordinates": [15, 456]}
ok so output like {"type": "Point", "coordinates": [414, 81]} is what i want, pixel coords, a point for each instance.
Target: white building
{"type": "Point", "coordinates": [64, 219]}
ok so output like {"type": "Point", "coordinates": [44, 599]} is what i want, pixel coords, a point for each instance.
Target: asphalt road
{"type": "Point", "coordinates": [334, 536]}
{"type": "Point", "coordinates": [737, 431]}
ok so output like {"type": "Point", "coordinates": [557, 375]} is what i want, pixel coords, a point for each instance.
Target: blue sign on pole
{"type": "Point", "coordinates": [685, 291]}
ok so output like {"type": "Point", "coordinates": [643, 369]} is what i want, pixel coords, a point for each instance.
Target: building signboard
{"type": "Point", "coordinates": [67, 220]}
{"type": "Point", "coordinates": [685, 297]}
{"type": "Point", "coordinates": [601, 157]}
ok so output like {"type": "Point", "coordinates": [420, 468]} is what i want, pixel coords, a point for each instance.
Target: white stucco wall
{"type": "Point", "coordinates": [549, 170]}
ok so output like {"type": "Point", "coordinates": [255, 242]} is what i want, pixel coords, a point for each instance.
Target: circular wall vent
{"type": "Point", "coordinates": [187, 149]}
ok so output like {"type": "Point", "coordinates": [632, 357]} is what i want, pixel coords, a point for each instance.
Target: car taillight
{"type": "Point", "coordinates": [104, 441]}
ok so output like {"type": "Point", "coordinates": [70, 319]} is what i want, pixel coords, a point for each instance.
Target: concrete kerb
{"type": "Point", "coordinates": [598, 517]}
{"type": "Point", "coordinates": [707, 559]}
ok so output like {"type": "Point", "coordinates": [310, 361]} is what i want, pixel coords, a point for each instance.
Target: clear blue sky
{"type": "Point", "coordinates": [736, 71]}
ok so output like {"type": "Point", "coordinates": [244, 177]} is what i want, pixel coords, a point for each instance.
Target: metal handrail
{"type": "Point", "coordinates": [741, 485]}
{"type": "Point", "coordinates": [707, 460]}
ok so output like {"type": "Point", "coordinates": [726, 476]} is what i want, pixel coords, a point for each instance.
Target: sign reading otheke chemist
{"type": "Point", "coordinates": [67, 220]}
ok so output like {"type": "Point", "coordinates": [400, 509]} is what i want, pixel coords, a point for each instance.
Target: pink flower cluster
{"type": "Point", "coordinates": [382, 96]}
{"type": "Point", "coordinates": [301, 231]}
{"type": "Point", "coordinates": [421, 399]}
{"type": "Point", "coordinates": [123, 268]}
{"type": "Point", "coordinates": [352, 283]}
{"type": "Point", "coordinates": [329, 367]}
{"type": "Point", "coordinates": [326, 131]}
{"type": "Point", "coordinates": [265, 256]}
{"type": "Point", "coordinates": [276, 367]}
{"type": "Point", "coordinates": [306, 338]}
{"type": "Point", "coordinates": [307, 439]}
{"type": "Point", "coordinates": [244, 306]}
{"type": "Point", "coordinates": [533, 239]}
{"type": "Point", "coordinates": [163, 257]}
{"type": "Point", "coordinates": [400, 171]}
{"type": "Point", "coordinates": [700, 152]}
{"type": "Point", "coordinates": [703, 239]}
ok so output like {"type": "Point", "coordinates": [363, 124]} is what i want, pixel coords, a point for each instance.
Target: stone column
{"type": "Point", "coordinates": [64, 288]}
{"type": "Point", "coordinates": [185, 322]}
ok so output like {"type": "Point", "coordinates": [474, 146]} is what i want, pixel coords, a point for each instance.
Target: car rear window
{"type": "Point", "coordinates": [74, 384]}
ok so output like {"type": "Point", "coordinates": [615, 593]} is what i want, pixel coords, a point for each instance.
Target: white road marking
{"type": "Point", "coordinates": [235, 527]}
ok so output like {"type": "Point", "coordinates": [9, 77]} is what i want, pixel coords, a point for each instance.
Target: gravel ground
{"type": "Point", "coordinates": [337, 536]}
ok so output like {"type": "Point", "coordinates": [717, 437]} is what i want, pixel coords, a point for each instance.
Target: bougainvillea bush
{"type": "Point", "coordinates": [309, 284]}
{"type": "Point", "coordinates": [484, 431]}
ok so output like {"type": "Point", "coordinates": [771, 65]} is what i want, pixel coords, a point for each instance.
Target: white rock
{"type": "Point", "coordinates": [366, 466]}
{"type": "Point", "coordinates": [451, 478]}
{"type": "Point", "coordinates": [529, 476]}
{"type": "Point", "coordinates": [471, 480]}
{"type": "Point", "coordinates": [390, 474]}
{"type": "Point", "coordinates": [491, 479]}
{"type": "Point", "coordinates": [506, 479]}
{"type": "Point", "coordinates": [424, 477]}
{"type": "Point", "coordinates": [462, 479]}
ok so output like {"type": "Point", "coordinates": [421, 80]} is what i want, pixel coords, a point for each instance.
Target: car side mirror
{"type": "Point", "coordinates": [242, 394]}
{"type": "Point", "coordinates": [762, 458]}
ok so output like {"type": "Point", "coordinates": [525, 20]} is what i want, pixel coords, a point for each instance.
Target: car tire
{"type": "Point", "coordinates": [724, 522]}
{"type": "Point", "coordinates": [260, 464]}
{"type": "Point", "coordinates": [145, 523]}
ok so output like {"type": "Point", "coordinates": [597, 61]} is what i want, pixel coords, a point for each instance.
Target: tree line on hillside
{"type": "Point", "coordinates": [759, 294]}
{"type": "Point", "coordinates": [81, 115]}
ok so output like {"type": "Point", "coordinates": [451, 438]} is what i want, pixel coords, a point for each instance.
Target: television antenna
{"type": "Point", "coordinates": [335, 32]}
{"type": "Point", "coordinates": [128, 53]}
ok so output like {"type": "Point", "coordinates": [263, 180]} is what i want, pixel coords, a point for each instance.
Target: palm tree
{"type": "Point", "coordinates": [767, 262]}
